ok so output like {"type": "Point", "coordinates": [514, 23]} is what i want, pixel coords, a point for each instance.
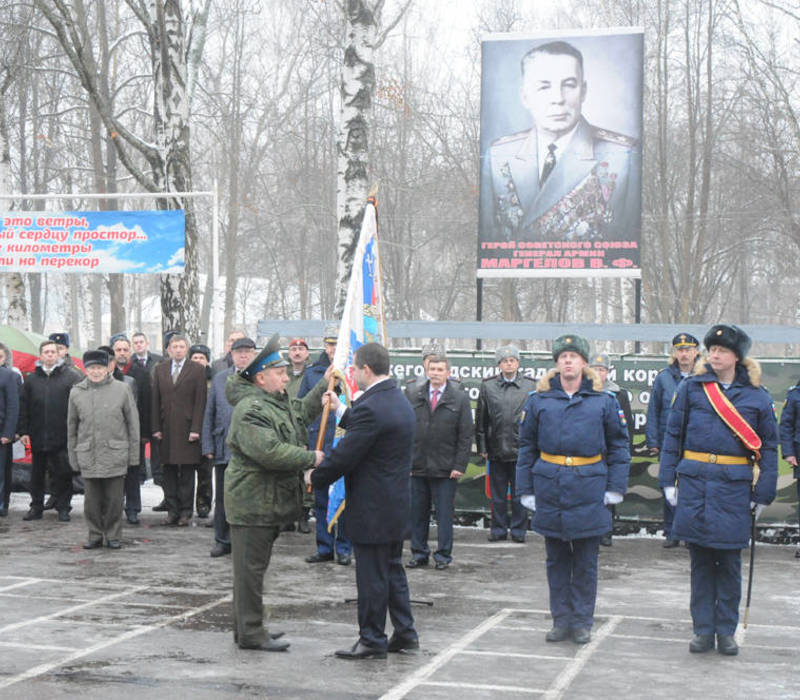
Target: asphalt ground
{"type": "Point", "coordinates": [152, 620]}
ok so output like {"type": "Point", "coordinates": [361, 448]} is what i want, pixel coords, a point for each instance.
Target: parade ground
{"type": "Point", "coordinates": [152, 620]}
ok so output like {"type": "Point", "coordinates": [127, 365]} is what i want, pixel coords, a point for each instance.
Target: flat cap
{"type": "Point", "coordinates": [243, 344]}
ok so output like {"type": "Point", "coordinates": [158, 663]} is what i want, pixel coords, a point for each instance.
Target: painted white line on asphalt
{"type": "Point", "coordinates": [739, 634]}
{"type": "Point", "coordinates": [523, 628]}
{"type": "Point", "coordinates": [482, 686]}
{"type": "Point", "coordinates": [67, 611]}
{"type": "Point", "coordinates": [20, 584]}
{"type": "Point", "coordinates": [422, 675]}
{"type": "Point", "coordinates": [35, 647]}
{"type": "Point", "coordinates": [565, 678]}
{"type": "Point", "coordinates": [132, 634]}
{"type": "Point", "coordinates": [512, 655]}
{"type": "Point", "coordinates": [110, 584]}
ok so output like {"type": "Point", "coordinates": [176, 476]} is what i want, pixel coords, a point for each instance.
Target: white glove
{"type": "Point", "coordinates": [671, 494]}
{"type": "Point", "coordinates": [528, 501]}
{"type": "Point", "coordinates": [756, 508]}
{"type": "Point", "coordinates": [611, 498]}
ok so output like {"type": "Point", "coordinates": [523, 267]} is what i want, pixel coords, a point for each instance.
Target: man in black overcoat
{"type": "Point", "coordinates": [375, 458]}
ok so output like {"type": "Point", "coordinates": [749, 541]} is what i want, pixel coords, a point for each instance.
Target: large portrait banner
{"type": "Point", "coordinates": [561, 154]}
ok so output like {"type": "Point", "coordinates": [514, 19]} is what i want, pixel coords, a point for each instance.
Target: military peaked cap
{"type": "Point", "coordinates": [269, 357]}
{"type": "Point", "coordinates": [685, 340]}
{"type": "Point", "coordinates": [59, 338]}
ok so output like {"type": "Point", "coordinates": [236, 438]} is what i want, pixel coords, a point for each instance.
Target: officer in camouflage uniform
{"type": "Point", "coordinates": [263, 485]}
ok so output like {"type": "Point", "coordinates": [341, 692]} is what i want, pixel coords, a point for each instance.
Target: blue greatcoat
{"type": "Point", "coordinates": [569, 500]}
{"type": "Point", "coordinates": [664, 388]}
{"type": "Point", "coordinates": [790, 426]}
{"type": "Point", "coordinates": [714, 499]}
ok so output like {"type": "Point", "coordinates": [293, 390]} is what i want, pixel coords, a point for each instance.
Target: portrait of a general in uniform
{"type": "Point", "coordinates": [566, 177]}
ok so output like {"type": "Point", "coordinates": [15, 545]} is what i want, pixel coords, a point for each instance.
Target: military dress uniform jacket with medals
{"type": "Point", "coordinates": [569, 498]}
{"type": "Point", "coordinates": [713, 498]}
{"type": "Point", "coordinates": [267, 441]}
{"type": "Point", "coordinates": [594, 191]}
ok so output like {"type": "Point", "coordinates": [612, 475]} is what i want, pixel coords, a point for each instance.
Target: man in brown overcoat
{"type": "Point", "coordinates": [178, 402]}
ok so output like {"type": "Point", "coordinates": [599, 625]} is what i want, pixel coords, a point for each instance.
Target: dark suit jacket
{"type": "Point", "coordinates": [375, 458]}
{"type": "Point", "coordinates": [177, 410]}
{"type": "Point", "coordinates": [142, 375]}
{"type": "Point", "coordinates": [9, 402]}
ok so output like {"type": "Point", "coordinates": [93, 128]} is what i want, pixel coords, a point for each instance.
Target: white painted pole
{"type": "Point", "coordinates": [215, 337]}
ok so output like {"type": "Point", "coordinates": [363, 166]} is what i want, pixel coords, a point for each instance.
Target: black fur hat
{"type": "Point", "coordinates": [729, 336]}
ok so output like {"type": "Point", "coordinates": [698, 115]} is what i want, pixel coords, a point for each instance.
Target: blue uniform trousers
{"type": "Point", "coordinates": [133, 493]}
{"type": "Point", "coordinates": [572, 578]}
{"type": "Point", "coordinates": [501, 476]}
{"type": "Point", "coordinates": [441, 492]}
{"type": "Point", "coordinates": [669, 517]}
{"type": "Point", "coordinates": [326, 541]}
{"type": "Point", "coordinates": [716, 589]}
{"type": "Point", "coordinates": [382, 585]}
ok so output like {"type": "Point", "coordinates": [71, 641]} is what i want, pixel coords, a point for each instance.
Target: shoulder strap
{"type": "Point", "coordinates": [732, 418]}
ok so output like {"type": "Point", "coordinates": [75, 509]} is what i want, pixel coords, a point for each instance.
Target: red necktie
{"type": "Point", "coordinates": [435, 398]}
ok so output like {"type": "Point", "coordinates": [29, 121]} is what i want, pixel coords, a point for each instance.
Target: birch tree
{"type": "Point", "coordinates": [363, 35]}
{"type": "Point", "coordinates": [175, 40]}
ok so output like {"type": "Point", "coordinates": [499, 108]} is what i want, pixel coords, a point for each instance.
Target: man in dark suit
{"type": "Point", "coordinates": [178, 403]}
{"type": "Point", "coordinates": [375, 458]}
{"type": "Point", "coordinates": [140, 366]}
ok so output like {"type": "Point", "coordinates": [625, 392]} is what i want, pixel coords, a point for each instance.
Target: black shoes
{"type": "Point", "coordinates": [303, 527]}
{"type": "Point", "coordinates": [93, 544]}
{"type": "Point", "coordinates": [63, 516]}
{"type": "Point", "coordinates": [519, 539]}
{"type": "Point", "coordinates": [701, 643]}
{"type": "Point", "coordinates": [671, 544]}
{"type": "Point", "coordinates": [727, 645]}
{"type": "Point", "coordinates": [497, 538]}
{"type": "Point", "coordinates": [170, 520]}
{"type": "Point", "coordinates": [581, 636]}
{"type": "Point", "coordinates": [441, 565]}
{"type": "Point", "coordinates": [416, 563]}
{"type": "Point", "coordinates": [398, 644]}
{"type": "Point", "coordinates": [50, 503]}
{"type": "Point", "coordinates": [33, 514]}
{"type": "Point", "coordinates": [184, 521]}
{"type": "Point", "coordinates": [113, 544]}
{"type": "Point", "coordinates": [133, 519]}
{"type": "Point", "coordinates": [161, 507]}
{"type": "Point", "coordinates": [557, 634]}
{"type": "Point", "coordinates": [220, 550]}
{"type": "Point", "coordinates": [343, 559]}
{"type": "Point", "coordinates": [361, 651]}
{"type": "Point", "coordinates": [269, 644]}
{"type": "Point", "coordinates": [606, 540]}
{"type": "Point", "coordinates": [203, 512]}
{"type": "Point", "coordinates": [316, 558]}
{"type": "Point", "coordinates": [560, 634]}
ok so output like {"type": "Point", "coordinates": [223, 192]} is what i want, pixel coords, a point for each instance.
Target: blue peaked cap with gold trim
{"type": "Point", "coordinates": [269, 357]}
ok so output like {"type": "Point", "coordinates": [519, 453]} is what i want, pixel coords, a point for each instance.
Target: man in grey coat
{"type": "Point", "coordinates": [102, 442]}
{"type": "Point", "coordinates": [216, 422]}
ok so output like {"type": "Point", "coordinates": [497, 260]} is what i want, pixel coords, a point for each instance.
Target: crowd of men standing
{"type": "Point", "coordinates": [558, 456]}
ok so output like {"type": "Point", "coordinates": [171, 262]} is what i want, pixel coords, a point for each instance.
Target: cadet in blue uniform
{"type": "Point", "coordinates": [568, 476]}
{"type": "Point", "coordinates": [790, 437]}
{"type": "Point", "coordinates": [681, 364]}
{"type": "Point", "coordinates": [712, 468]}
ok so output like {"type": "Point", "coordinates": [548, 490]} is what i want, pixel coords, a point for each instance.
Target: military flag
{"type": "Point", "coordinates": [362, 322]}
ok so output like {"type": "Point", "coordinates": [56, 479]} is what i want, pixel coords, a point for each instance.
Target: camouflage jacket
{"type": "Point", "coordinates": [267, 441]}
